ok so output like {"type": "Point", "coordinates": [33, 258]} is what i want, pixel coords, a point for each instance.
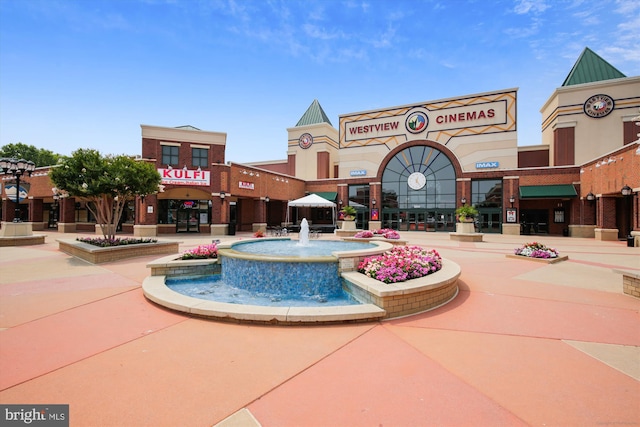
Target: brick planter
{"type": "Point", "coordinates": [98, 255]}
{"type": "Point", "coordinates": [630, 282]}
{"type": "Point", "coordinates": [394, 242]}
{"type": "Point", "coordinates": [541, 260]}
{"type": "Point", "coordinates": [410, 297]}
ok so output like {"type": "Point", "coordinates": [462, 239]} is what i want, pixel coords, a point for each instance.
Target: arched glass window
{"type": "Point", "coordinates": [419, 177]}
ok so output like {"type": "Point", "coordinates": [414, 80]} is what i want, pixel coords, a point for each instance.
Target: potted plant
{"type": "Point", "coordinates": [348, 213]}
{"type": "Point", "coordinates": [466, 213]}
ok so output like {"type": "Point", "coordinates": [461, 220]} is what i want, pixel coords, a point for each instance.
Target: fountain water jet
{"type": "Point", "coordinates": [303, 239]}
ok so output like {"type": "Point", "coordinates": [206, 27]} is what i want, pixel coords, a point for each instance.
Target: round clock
{"type": "Point", "coordinates": [598, 106]}
{"type": "Point", "coordinates": [305, 140]}
{"type": "Point", "coordinates": [417, 180]}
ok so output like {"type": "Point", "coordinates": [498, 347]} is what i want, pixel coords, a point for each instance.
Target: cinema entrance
{"type": "Point", "coordinates": [419, 191]}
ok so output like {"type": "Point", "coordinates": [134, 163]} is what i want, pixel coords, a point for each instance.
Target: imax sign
{"type": "Point", "coordinates": [487, 165]}
{"type": "Point", "coordinates": [361, 172]}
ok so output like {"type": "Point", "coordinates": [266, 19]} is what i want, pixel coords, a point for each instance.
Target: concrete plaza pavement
{"type": "Point", "coordinates": [522, 344]}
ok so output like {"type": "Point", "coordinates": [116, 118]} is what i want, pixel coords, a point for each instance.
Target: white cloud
{"type": "Point", "coordinates": [627, 6]}
{"type": "Point", "coordinates": [533, 6]}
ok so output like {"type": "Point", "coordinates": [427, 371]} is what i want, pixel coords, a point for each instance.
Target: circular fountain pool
{"type": "Point", "coordinates": [276, 273]}
{"type": "Point", "coordinates": [294, 289]}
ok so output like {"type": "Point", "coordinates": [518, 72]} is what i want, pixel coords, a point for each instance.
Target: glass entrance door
{"type": "Point", "coordinates": [187, 221]}
{"type": "Point", "coordinates": [416, 220]}
{"type": "Point", "coordinates": [419, 219]}
{"type": "Point", "coordinates": [489, 221]}
{"type": "Point", "coordinates": [53, 216]}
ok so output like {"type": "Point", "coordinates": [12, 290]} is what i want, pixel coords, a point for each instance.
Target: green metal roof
{"type": "Point", "coordinates": [547, 191]}
{"type": "Point", "coordinates": [329, 195]}
{"type": "Point", "coordinates": [591, 68]}
{"type": "Point", "coordinates": [314, 115]}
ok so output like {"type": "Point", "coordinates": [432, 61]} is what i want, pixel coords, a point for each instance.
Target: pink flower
{"type": "Point", "coordinates": [401, 263]}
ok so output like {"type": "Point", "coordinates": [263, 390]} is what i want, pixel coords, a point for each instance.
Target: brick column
{"type": "Point", "coordinates": [463, 189]}
{"type": "Point", "coordinates": [606, 219]}
{"type": "Point", "coordinates": [8, 210]}
{"type": "Point", "coordinates": [67, 220]}
{"type": "Point", "coordinates": [375, 192]}
{"type": "Point", "coordinates": [35, 213]}
{"type": "Point", "coordinates": [145, 223]}
{"type": "Point", "coordinates": [343, 194]}
{"type": "Point", "coordinates": [260, 213]}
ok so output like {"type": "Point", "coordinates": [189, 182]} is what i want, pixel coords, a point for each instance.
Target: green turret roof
{"type": "Point", "coordinates": [591, 68]}
{"type": "Point", "coordinates": [314, 115]}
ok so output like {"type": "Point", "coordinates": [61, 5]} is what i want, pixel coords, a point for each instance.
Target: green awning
{"type": "Point", "coordinates": [329, 195]}
{"type": "Point", "coordinates": [547, 191]}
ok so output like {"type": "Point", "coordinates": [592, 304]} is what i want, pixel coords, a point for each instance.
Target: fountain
{"type": "Point", "coordinates": [284, 281]}
{"type": "Point", "coordinates": [304, 233]}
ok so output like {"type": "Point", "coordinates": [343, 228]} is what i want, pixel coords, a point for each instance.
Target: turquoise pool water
{"type": "Point", "coordinates": [266, 280]}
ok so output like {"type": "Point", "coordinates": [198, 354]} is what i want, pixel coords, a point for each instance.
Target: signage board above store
{"type": "Point", "coordinates": [246, 185]}
{"type": "Point", "coordinates": [184, 177]}
{"type": "Point", "coordinates": [360, 172]}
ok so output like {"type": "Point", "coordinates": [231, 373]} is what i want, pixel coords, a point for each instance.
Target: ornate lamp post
{"type": "Point", "coordinates": [17, 168]}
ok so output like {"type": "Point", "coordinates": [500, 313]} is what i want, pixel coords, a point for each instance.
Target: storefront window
{"type": "Point", "coordinates": [486, 193]}
{"type": "Point", "coordinates": [168, 211]}
{"type": "Point", "coordinates": [359, 196]}
{"type": "Point", "coordinates": [187, 215]}
{"type": "Point", "coordinates": [359, 199]}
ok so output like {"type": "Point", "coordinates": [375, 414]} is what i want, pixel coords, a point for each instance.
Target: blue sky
{"type": "Point", "coordinates": [88, 73]}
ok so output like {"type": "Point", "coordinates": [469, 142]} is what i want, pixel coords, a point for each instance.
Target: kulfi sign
{"type": "Point", "coordinates": [185, 177]}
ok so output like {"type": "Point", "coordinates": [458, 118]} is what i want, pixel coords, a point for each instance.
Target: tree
{"type": "Point", "coordinates": [39, 156]}
{"type": "Point", "coordinates": [106, 182]}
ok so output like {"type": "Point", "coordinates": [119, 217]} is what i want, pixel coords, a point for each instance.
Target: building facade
{"type": "Point", "coordinates": [404, 167]}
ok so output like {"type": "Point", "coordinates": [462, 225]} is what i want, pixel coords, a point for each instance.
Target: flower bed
{"type": "Point", "coordinates": [107, 243]}
{"type": "Point", "coordinates": [536, 250]}
{"type": "Point", "coordinates": [201, 252]}
{"type": "Point", "coordinates": [99, 254]}
{"type": "Point", "coordinates": [387, 233]}
{"type": "Point", "coordinates": [401, 263]}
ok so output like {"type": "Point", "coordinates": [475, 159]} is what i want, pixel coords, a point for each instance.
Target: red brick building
{"type": "Point", "coordinates": [404, 167]}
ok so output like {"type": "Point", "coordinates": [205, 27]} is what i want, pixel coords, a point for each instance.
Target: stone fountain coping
{"type": "Point", "coordinates": [227, 250]}
{"type": "Point", "coordinates": [154, 289]}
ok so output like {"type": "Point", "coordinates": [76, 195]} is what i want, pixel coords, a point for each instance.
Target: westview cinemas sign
{"type": "Point", "coordinates": [185, 177]}
{"type": "Point", "coordinates": [482, 113]}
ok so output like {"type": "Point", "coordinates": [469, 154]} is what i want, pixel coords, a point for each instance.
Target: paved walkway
{"type": "Point", "coordinates": [523, 344]}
